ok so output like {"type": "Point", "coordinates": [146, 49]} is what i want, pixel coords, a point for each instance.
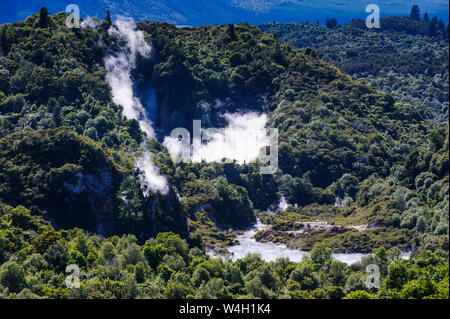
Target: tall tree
{"type": "Point", "coordinates": [43, 17]}
{"type": "Point", "coordinates": [277, 53]}
{"type": "Point", "coordinates": [432, 30]}
{"type": "Point", "coordinates": [56, 114]}
{"type": "Point", "coordinates": [231, 31]}
{"type": "Point", "coordinates": [4, 41]}
{"type": "Point", "coordinates": [108, 17]}
{"type": "Point", "coordinates": [331, 23]}
{"type": "Point", "coordinates": [415, 12]}
{"type": "Point", "coordinates": [445, 33]}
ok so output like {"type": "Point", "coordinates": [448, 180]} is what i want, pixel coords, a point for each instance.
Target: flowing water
{"type": "Point", "coordinates": [272, 251]}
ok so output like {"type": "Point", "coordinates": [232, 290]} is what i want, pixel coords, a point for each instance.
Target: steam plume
{"type": "Point", "coordinates": [119, 66]}
{"type": "Point", "coordinates": [241, 140]}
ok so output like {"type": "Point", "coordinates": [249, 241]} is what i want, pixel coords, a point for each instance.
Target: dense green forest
{"type": "Point", "coordinates": [406, 57]}
{"type": "Point", "coordinates": [34, 257]}
{"type": "Point", "coordinates": [70, 192]}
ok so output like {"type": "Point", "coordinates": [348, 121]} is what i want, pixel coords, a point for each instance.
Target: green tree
{"type": "Point", "coordinates": [132, 255]}
{"type": "Point", "coordinates": [320, 254]}
{"type": "Point", "coordinates": [56, 114]}
{"type": "Point", "coordinates": [155, 254]}
{"type": "Point", "coordinates": [140, 272]}
{"type": "Point", "coordinates": [176, 290]}
{"type": "Point", "coordinates": [26, 294]}
{"type": "Point", "coordinates": [135, 131]}
{"type": "Point", "coordinates": [305, 275]}
{"type": "Point", "coordinates": [337, 272]}
{"type": "Point", "coordinates": [108, 17]}
{"type": "Point", "coordinates": [231, 31]}
{"type": "Point", "coordinates": [277, 54]}
{"type": "Point", "coordinates": [200, 276]}
{"type": "Point", "coordinates": [77, 258]}
{"type": "Point", "coordinates": [257, 289]}
{"type": "Point", "coordinates": [174, 243]}
{"type": "Point", "coordinates": [418, 288]}
{"type": "Point", "coordinates": [57, 256]}
{"type": "Point", "coordinates": [4, 44]}
{"type": "Point", "coordinates": [131, 290]}
{"type": "Point", "coordinates": [213, 289]}
{"type": "Point", "coordinates": [331, 23]}
{"type": "Point", "coordinates": [45, 240]}
{"type": "Point", "coordinates": [445, 33]}
{"type": "Point", "coordinates": [431, 30]}
{"type": "Point", "coordinates": [108, 253]}
{"type": "Point", "coordinates": [130, 199]}
{"type": "Point", "coordinates": [43, 17]}
{"type": "Point", "coordinates": [12, 276]}
{"type": "Point", "coordinates": [398, 275]}
{"type": "Point", "coordinates": [359, 294]}
{"type": "Point", "coordinates": [355, 282]}
{"type": "Point", "coordinates": [415, 12]}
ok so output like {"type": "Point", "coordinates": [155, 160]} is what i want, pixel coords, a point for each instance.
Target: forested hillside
{"type": "Point", "coordinates": [72, 189]}
{"type": "Point", "coordinates": [405, 57]}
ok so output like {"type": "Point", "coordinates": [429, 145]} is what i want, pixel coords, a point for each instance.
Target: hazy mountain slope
{"type": "Point", "coordinates": [400, 58]}
{"type": "Point", "coordinates": [195, 12]}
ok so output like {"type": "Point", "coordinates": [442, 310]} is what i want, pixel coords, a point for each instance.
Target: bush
{"type": "Point", "coordinates": [12, 276]}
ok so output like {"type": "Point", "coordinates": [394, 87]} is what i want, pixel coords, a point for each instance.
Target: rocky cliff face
{"type": "Point", "coordinates": [74, 183]}
{"type": "Point", "coordinates": [97, 191]}
{"type": "Point", "coordinates": [65, 176]}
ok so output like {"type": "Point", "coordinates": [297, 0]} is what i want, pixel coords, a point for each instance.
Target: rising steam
{"type": "Point", "coordinates": [90, 22]}
{"type": "Point", "coordinates": [241, 140]}
{"type": "Point", "coordinates": [151, 180]}
{"type": "Point", "coordinates": [119, 67]}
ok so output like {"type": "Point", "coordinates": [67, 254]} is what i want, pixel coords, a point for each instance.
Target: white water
{"type": "Point", "coordinates": [272, 251]}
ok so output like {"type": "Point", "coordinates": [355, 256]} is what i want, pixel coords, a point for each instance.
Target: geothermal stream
{"type": "Point", "coordinates": [272, 251]}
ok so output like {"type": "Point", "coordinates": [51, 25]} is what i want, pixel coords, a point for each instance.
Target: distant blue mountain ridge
{"type": "Point", "coordinates": [201, 12]}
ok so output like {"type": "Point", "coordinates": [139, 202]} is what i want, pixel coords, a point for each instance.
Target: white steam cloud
{"type": "Point", "coordinates": [241, 140]}
{"type": "Point", "coordinates": [283, 204]}
{"type": "Point", "coordinates": [90, 22]}
{"type": "Point", "coordinates": [151, 180]}
{"type": "Point", "coordinates": [119, 67]}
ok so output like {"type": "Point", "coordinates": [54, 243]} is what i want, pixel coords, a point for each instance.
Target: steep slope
{"type": "Point", "coordinates": [405, 57]}
{"type": "Point", "coordinates": [334, 132]}
{"type": "Point", "coordinates": [55, 77]}
{"type": "Point", "coordinates": [67, 175]}
{"type": "Point", "coordinates": [313, 104]}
